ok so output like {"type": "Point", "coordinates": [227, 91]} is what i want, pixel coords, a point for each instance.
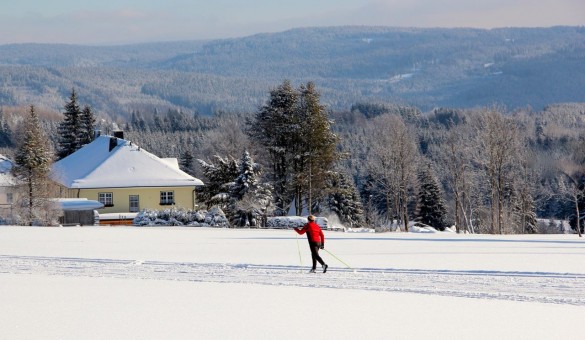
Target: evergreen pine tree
{"type": "Point", "coordinates": [373, 204]}
{"type": "Point", "coordinates": [318, 148]}
{"type": "Point", "coordinates": [344, 200]}
{"type": "Point", "coordinates": [246, 179]}
{"type": "Point", "coordinates": [529, 213]}
{"type": "Point", "coordinates": [219, 174]}
{"type": "Point", "coordinates": [141, 122]}
{"type": "Point", "coordinates": [187, 162]}
{"type": "Point", "coordinates": [87, 123]}
{"type": "Point", "coordinates": [69, 128]}
{"type": "Point", "coordinates": [5, 132]}
{"type": "Point", "coordinates": [248, 198]}
{"type": "Point", "coordinates": [523, 211]}
{"type": "Point", "coordinates": [32, 165]}
{"type": "Point", "coordinates": [157, 123]}
{"type": "Point", "coordinates": [179, 121]}
{"type": "Point", "coordinates": [275, 129]}
{"type": "Point", "coordinates": [295, 130]}
{"type": "Point", "coordinates": [431, 204]}
{"type": "Point", "coordinates": [133, 121]}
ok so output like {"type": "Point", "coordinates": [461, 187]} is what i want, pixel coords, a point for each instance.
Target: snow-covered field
{"type": "Point", "coordinates": [198, 283]}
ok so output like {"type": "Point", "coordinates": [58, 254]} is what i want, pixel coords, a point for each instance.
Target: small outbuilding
{"type": "Point", "coordinates": [79, 211]}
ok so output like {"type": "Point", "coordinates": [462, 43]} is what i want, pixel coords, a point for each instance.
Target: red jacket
{"type": "Point", "coordinates": [314, 232]}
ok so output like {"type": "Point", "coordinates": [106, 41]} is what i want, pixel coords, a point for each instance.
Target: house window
{"type": "Point", "coordinates": [134, 203]}
{"type": "Point", "coordinates": [167, 198]}
{"type": "Point", "coordinates": [106, 198]}
{"type": "Point", "coordinates": [9, 198]}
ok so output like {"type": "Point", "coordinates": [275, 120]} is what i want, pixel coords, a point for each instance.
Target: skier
{"type": "Point", "coordinates": [316, 242]}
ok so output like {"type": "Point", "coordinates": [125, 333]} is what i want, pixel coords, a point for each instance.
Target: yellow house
{"type": "Point", "coordinates": [124, 177]}
{"type": "Point", "coordinates": [8, 189]}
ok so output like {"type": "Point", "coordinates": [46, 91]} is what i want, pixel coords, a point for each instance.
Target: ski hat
{"type": "Point", "coordinates": [311, 218]}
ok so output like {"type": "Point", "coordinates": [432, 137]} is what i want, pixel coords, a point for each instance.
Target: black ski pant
{"type": "Point", "coordinates": [315, 254]}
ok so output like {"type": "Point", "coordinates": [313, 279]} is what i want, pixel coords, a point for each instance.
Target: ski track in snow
{"type": "Point", "coordinates": [544, 287]}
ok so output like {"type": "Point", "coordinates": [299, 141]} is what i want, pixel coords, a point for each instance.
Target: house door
{"type": "Point", "coordinates": [134, 203]}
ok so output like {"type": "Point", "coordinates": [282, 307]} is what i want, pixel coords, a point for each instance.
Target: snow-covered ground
{"type": "Point", "coordinates": [198, 283]}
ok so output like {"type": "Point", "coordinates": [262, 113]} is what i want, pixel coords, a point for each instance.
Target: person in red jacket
{"type": "Point", "coordinates": [316, 241]}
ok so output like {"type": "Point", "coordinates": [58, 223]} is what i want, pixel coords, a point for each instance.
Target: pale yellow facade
{"type": "Point", "coordinates": [8, 196]}
{"type": "Point", "coordinates": [156, 198]}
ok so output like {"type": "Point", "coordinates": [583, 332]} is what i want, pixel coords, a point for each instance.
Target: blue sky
{"type": "Point", "coordinates": [132, 21]}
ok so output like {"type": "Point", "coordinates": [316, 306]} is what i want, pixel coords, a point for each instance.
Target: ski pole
{"type": "Point", "coordinates": [338, 259]}
{"type": "Point", "coordinates": [299, 249]}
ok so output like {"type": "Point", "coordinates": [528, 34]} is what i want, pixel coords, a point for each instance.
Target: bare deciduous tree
{"type": "Point", "coordinates": [454, 158]}
{"type": "Point", "coordinates": [572, 181]}
{"type": "Point", "coordinates": [392, 164]}
{"type": "Point", "coordinates": [496, 147]}
{"type": "Point", "coordinates": [572, 188]}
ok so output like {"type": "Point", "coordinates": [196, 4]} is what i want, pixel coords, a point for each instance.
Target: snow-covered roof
{"type": "Point", "coordinates": [125, 165]}
{"type": "Point", "coordinates": [5, 164]}
{"type": "Point", "coordinates": [6, 177]}
{"type": "Point", "coordinates": [70, 204]}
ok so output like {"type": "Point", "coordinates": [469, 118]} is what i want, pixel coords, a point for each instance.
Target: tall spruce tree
{"type": "Point", "coordinates": [249, 199]}
{"type": "Point", "coordinates": [344, 200]}
{"type": "Point", "coordinates": [295, 130]}
{"type": "Point", "coordinates": [318, 150]}
{"type": "Point", "coordinates": [70, 128]}
{"type": "Point", "coordinates": [218, 174]}
{"type": "Point", "coordinates": [275, 128]}
{"type": "Point", "coordinates": [186, 162]}
{"type": "Point", "coordinates": [432, 210]}
{"type": "Point", "coordinates": [246, 180]}
{"type": "Point", "coordinates": [87, 126]}
{"type": "Point", "coordinates": [157, 123]}
{"type": "Point", "coordinates": [5, 132]}
{"type": "Point", "coordinates": [32, 165]}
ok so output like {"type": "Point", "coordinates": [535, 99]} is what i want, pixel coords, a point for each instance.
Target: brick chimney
{"type": "Point", "coordinates": [113, 143]}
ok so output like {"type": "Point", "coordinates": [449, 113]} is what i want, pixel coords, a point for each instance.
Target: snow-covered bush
{"type": "Point", "coordinates": [421, 229]}
{"type": "Point", "coordinates": [285, 222]}
{"type": "Point", "coordinates": [289, 222]}
{"type": "Point", "coordinates": [182, 217]}
{"type": "Point", "coordinates": [5, 221]}
{"type": "Point", "coordinates": [359, 230]}
{"type": "Point", "coordinates": [216, 218]}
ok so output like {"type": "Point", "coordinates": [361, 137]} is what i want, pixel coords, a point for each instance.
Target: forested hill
{"type": "Point", "coordinates": [427, 68]}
